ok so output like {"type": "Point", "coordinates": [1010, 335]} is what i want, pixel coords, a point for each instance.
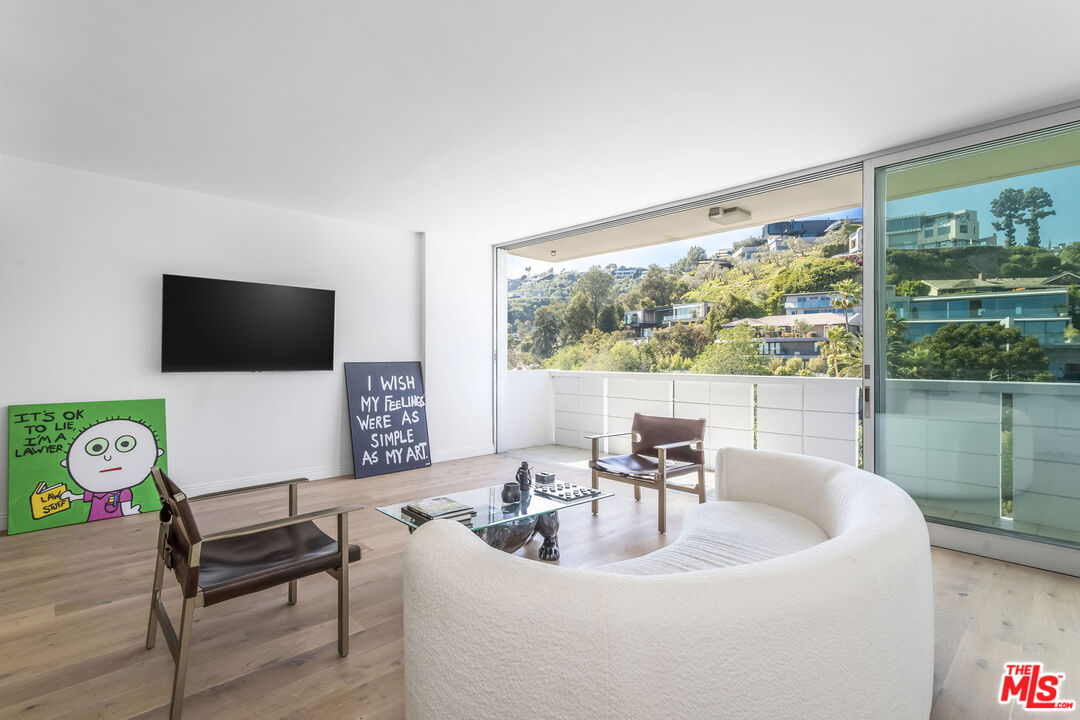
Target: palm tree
{"type": "Point", "coordinates": [896, 341]}
{"type": "Point", "coordinates": [848, 295]}
{"type": "Point", "coordinates": [841, 351]}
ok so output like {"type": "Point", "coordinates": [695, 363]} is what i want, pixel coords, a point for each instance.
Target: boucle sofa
{"type": "Point", "coordinates": [805, 593]}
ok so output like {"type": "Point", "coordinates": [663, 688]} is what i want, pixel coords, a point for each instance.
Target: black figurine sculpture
{"type": "Point", "coordinates": [524, 477]}
{"type": "Point", "coordinates": [511, 536]}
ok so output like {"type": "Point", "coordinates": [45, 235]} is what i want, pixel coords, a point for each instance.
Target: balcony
{"type": "Point", "coordinates": [958, 447]}
{"type": "Point", "coordinates": [823, 304]}
{"type": "Point", "coordinates": [815, 416]}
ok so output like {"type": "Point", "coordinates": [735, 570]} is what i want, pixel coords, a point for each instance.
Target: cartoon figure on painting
{"type": "Point", "coordinates": [107, 460]}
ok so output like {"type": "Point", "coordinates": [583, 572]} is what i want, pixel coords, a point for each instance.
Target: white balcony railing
{"type": "Point", "coordinates": [815, 416]}
{"type": "Point", "coordinates": [953, 445]}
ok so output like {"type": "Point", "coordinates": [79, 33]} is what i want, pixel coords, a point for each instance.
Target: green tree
{"type": "Point", "coordinates": [1074, 304]}
{"type": "Point", "coordinates": [848, 294]}
{"type": "Point", "coordinates": [1012, 270]}
{"type": "Point", "coordinates": [829, 249]}
{"type": "Point", "coordinates": [732, 304]}
{"type": "Point", "coordinates": [572, 357]}
{"type": "Point", "coordinates": [896, 341]}
{"type": "Point", "coordinates": [736, 353]}
{"type": "Point", "coordinates": [1009, 206]}
{"type": "Point", "coordinates": [597, 342]}
{"type": "Point", "coordinates": [912, 288]}
{"type": "Point", "coordinates": [597, 286]}
{"type": "Point", "coordinates": [788, 368]}
{"type": "Point", "coordinates": [545, 335]}
{"type": "Point", "coordinates": [714, 321]}
{"type": "Point", "coordinates": [654, 290]}
{"type": "Point", "coordinates": [842, 352]}
{"type": "Point", "coordinates": [610, 318]}
{"type": "Point", "coordinates": [817, 366]}
{"type": "Point", "coordinates": [748, 242]}
{"type": "Point", "coordinates": [801, 327]}
{"type": "Point", "coordinates": [681, 339]}
{"type": "Point", "coordinates": [1044, 264]}
{"type": "Point", "coordinates": [518, 358]}
{"type": "Point", "coordinates": [809, 275]}
{"type": "Point", "coordinates": [837, 241]}
{"type": "Point", "coordinates": [622, 357]}
{"type": "Point", "coordinates": [578, 319]}
{"type": "Point", "coordinates": [1070, 256]}
{"type": "Point", "coordinates": [688, 262]}
{"type": "Point", "coordinates": [969, 351]}
{"type": "Point", "coordinates": [1038, 203]}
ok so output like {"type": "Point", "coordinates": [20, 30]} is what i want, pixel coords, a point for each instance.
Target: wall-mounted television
{"type": "Point", "coordinates": [215, 325]}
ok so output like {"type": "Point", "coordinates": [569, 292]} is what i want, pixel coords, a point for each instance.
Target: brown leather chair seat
{"type": "Point", "coordinates": [660, 448]}
{"type": "Point", "coordinates": [635, 464]}
{"type": "Point", "coordinates": [239, 565]}
{"type": "Point", "coordinates": [223, 565]}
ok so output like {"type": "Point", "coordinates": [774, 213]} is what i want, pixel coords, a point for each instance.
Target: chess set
{"type": "Point", "coordinates": [548, 487]}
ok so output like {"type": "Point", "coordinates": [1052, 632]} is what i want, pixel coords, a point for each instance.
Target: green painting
{"type": "Point", "coordinates": [70, 463]}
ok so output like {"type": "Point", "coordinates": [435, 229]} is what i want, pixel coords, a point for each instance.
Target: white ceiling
{"type": "Point", "coordinates": [499, 119]}
{"type": "Point", "coordinates": [819, 197]}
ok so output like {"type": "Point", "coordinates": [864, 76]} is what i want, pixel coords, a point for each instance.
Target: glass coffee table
{"type": "Point", "coordinates": [506, 526]}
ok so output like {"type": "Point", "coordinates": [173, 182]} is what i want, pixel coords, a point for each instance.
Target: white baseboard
{"type": "Point", "coordinates": [323, 471]}
{"type": "Point", "coordinates": [462, 453]}
{"type": "Point", "coordinates": [311, 473]}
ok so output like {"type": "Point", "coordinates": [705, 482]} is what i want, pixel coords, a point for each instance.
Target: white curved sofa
{"type": "Point", "coordinates": [831, 626]}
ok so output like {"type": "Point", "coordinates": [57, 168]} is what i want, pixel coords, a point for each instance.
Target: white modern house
{"type": "Point", "coordinates": [899, 543]}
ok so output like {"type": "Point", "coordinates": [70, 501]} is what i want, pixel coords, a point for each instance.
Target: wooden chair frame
{"type": "Point", "coordinates": [658, 480]}
{"type": "Point", "coordinates": [180, 643]}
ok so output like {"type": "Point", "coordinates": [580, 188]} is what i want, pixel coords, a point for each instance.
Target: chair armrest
{"type": "Point", "coordinates": [609, 435]}
{"type": "Point", "coordinates": [282, 522]}
{"type": "Point", "coordinates": [685, 443]}
{"type": "Point", "coordinates": [249, 488]}
{"type": "Point", "coordinates": [597, 438]}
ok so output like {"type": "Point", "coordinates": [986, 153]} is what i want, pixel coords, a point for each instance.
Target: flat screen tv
{"type": "Point", "coordinates": [211, 325]}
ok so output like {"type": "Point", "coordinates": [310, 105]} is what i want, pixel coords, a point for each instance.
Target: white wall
{"type": "Point", "coordinates": [458, 321]}
{"type": "Point", "coordinates": [80, 308]}
{"type": "Point", "coordinates": [529, 418]}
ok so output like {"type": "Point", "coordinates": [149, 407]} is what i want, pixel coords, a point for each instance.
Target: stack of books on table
{"type": "Point", "coordinates": [439, 508]}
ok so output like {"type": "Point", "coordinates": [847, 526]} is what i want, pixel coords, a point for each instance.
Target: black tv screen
{"type": "Point", "coordinates": [211, 325]}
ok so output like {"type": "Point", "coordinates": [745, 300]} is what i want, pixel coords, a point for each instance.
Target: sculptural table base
{"type": "Point", "coordinates": [512, 536]}
{"type": "Point", "coordinates": [548, 527]}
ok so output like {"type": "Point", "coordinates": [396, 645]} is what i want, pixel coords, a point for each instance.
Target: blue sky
{"type": "Point", "coordinates": [663, 255]}
{"type": "Point", "coordinates": [1063, 185]}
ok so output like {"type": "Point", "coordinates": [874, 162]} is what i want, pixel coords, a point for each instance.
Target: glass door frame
{"type": "Point", "coordinates": [985, 541]}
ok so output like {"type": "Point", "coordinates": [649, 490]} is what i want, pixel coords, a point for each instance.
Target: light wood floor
{"type": "Point", "coordinates": [73, 605]}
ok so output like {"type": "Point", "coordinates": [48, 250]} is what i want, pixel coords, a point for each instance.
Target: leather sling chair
{"type": "Point", "coordinates": [661, 448]}
{"type": "Point", "coordinates": [224, 565]}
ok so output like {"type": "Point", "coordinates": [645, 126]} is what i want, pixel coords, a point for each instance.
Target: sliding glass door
{"type": "Point", "coordinates": [977, 310]}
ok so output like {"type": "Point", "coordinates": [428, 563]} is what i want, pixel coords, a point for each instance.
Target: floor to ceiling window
{"type": "Point", "coordinates": [978, 312]}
